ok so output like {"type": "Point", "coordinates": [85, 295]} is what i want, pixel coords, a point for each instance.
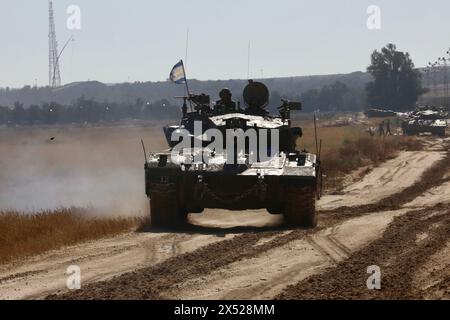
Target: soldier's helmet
{"type": "Point", "coordinates": [225, 93]}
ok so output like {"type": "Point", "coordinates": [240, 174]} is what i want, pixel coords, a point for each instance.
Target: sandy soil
{"type": "Point", "coordinates": [267, 274]}
{"type": "Point", "coordinates": [434, 196]}
{"type": "Point", "coordinates": [389, 178]}
{"type": "Point", "coordinates": [98, 260]}
{"type": "Point", "coordinates": [433, 277]}
{"type": "Point", "coordinates": [400, 254]}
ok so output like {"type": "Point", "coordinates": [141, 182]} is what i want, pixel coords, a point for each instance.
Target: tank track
{"type": "Point", "coordinates": [300, 207]}
{"type": "Point", "coordinates": [166, 211]}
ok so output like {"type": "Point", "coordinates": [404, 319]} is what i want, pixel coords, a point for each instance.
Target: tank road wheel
{"type": "Point", "coordinates": [165, 211]}
{"type": "Point", "coordinates": [300, 207]}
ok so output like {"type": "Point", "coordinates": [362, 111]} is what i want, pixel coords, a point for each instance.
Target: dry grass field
{"type": "Point", "coordinates": [23, 235]}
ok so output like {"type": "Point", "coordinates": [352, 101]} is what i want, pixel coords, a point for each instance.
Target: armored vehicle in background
{"type": "Point", "coordinates": [426, 119]}
{"type": "Point", "coordinates": [379, 113]}
{"type": "Point", "coordinates": [229, 172]}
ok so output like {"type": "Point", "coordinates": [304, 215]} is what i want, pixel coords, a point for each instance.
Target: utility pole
{"type": "Point", "coordinates": [445, 100]}
{"type": "Point", "coordinates": [435, 89]}
{"type": "Point", "coordinates": [442, 67]}
{"type": "Point", "coordinates": [447, 81]}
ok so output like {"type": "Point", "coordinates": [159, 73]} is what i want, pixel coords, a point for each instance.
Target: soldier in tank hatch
{"type": "Point", "coordinates": [225, 104]}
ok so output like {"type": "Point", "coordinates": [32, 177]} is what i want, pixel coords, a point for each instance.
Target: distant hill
{"type": "Point", "coordinates": [289, 87]}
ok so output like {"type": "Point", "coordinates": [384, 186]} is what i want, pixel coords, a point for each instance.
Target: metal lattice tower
{"type": "Point", "coordinates": [54, 76]}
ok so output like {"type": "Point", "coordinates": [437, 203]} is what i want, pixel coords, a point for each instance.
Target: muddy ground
{"type": "Point", "coordinates": [397, 217]}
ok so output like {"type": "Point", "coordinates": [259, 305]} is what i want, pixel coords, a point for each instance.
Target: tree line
{"type": "Point", "coordinates": [86, 111]}
{"type": "Point", "coordinates": [334, 97]}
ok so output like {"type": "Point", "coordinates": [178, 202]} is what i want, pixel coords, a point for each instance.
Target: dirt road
{"type": "Point", "coordinates": [397, 217]}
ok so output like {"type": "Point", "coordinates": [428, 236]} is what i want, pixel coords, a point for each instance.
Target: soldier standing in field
{"type": "Point", "coordinates": [388, 128]}
{"type": "Point", "coordinates": [381, 129]}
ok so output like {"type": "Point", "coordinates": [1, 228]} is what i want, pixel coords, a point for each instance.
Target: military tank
{"type": "Point", "coordinates": [426, 119]}
{"type": "Point", "coordinates": [227, 172]}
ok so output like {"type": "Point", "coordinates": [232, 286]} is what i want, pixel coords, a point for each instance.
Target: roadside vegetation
{"type": "Point", "coordinates": [363, 152]}
{"type": "Point", "coordinates": [349, 148]}
{"type": "Point", "coordinates": [23, 235]}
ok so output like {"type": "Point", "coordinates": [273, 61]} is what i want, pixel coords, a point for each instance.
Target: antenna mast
{"type": "Point", "coordinates": [54, 76]}
{"type": "Point", "coordinates": [187, 47]}
{"type": "Point", "coordinates": [248, 60]}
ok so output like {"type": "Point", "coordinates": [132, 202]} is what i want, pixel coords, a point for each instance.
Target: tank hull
{"type": "Point", "coordinates": [426, 120]}
{"type": "Point", "coordinates": [225, 189]}
{"type": "Point", "coordinates": [272, 185]}
{"type": "Point", "coordinates": [415, 128]}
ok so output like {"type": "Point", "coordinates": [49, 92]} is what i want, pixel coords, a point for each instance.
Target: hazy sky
{"type": "Point", "coordinates": [140, 40]}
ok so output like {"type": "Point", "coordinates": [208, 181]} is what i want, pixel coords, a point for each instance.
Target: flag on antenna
{"type": "Point", "coordinates": [177, 74]}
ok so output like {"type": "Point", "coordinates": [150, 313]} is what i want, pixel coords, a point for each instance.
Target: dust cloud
{"type": "Point", "coordinates": [101, 168]}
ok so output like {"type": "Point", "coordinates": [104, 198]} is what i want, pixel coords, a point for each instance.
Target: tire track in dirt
{"type": "Point", "coordinates": [21, 275]}
{"type": "Point", "coordinates": [432, 177]}
{"type": "Point", "coordinates": [268, 273]}
{"type": "Point", "coordinates": [329, 246]}
{"type": "Point", "coordinates": [433, 278]}
{"type": "Point", "coordinates": [438, 290]}
{"type": "Point", "coordinates": [164, 278]}
{"type": "Point", "coordinates": [157, 281]}
{"type": "Point", "coordinates": [388, 178]}
{"type": "Point", "coordinates": [397, 253]}
{"type": "Point", "coordinates": [149, 283]}
{"type": "Point", "coordinates": [99, 260]}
